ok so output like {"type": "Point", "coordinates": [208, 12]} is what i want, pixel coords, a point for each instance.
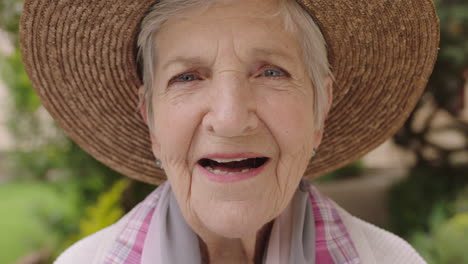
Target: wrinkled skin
{"type": "Point", "coordinates": [231, 79]}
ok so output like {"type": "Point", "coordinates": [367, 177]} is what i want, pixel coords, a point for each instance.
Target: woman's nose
{"type": "Point", "coordinates": [232, 110]}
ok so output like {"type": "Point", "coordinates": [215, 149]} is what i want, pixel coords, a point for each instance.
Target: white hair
{"type": "Point", "coordinates": [296, 19]}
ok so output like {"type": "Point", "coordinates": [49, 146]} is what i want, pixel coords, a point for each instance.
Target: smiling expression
{"type": "Point", "coordinates": [233, 114]}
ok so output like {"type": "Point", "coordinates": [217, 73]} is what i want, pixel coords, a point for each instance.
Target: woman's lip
{"type": "Point", "coordinates": [239, 155]}
{"type": "Point", "coordinates": [227, 178]}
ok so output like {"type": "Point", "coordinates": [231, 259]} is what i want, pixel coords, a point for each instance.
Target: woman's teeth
{"type": "Point", "coordinates": [220, 172]}
{"type": "Point", "coordinates": [229, 160]}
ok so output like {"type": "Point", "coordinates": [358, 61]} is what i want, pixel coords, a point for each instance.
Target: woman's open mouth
{"type": "Point", "coordinates": [229, 170]}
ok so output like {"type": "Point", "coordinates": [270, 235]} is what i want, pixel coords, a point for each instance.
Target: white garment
{"type": "Point", "coordinates": [374, 245]}
{"type": "Point", "coordinates": [169, 239]}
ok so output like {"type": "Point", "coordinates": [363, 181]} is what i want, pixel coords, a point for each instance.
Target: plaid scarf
{"type": "Point", "coordinates": [333, 243]}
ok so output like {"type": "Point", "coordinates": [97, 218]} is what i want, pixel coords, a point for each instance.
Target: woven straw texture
{"type": "Point", "coordinates": [81, 58]}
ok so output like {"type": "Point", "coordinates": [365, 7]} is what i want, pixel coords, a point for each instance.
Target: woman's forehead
{"type": "Point", "coordinates": [193, 38]}
{"type": "Point", "coordinates": [196, 59]}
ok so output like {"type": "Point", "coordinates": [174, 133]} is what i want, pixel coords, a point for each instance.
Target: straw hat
{"type": "Point", "coordinates": [81, 58]}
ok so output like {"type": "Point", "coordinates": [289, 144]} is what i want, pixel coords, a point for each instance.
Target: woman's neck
{"type": "Point", "coordinates": [240, 250]}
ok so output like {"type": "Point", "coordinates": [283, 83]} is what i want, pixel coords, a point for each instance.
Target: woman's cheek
{"type": "Point", "coordinates": [288, 117]}
{"type": "Point", "coordinates": [289, 122]}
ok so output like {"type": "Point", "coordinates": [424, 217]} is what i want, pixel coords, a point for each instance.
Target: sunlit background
{"type": "Point", "coordinates": [415, 185]}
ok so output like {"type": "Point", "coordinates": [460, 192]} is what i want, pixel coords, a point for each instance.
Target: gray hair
{"type": "Point", "coordinates": [295, 17]}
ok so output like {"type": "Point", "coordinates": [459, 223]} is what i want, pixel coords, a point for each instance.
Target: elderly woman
{"type": "Point", "coordinates": [234, 97]}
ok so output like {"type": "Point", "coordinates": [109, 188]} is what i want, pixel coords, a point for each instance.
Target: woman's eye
{"type": "Point", "coordinates": [186, 77]}
{"type": "Point", "coordinates": [274, 72]}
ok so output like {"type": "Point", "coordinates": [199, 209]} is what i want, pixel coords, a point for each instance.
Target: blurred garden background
{"type": "Point", "coordinates": [416, 185]}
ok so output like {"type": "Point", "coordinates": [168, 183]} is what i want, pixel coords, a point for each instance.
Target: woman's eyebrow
{"type": "Point", "coordinates": [272, 53]}
{"type": "Point", "coordinates": [186, 61]}
{"type": "Point", "coordinates": [258, 53]}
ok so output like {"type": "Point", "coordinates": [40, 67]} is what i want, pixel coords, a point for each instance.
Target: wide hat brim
{"type": "Point", "coordinates": [81, 58]}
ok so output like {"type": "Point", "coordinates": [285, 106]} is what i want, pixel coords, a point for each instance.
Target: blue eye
{"type": "Point", "coordinates": [273, 73]}
{"type": "Point", "coordinates": [186, 77]}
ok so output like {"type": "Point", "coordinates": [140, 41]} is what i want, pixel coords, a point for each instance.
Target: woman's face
{"type": "Point", "coordinates": [231, 85]}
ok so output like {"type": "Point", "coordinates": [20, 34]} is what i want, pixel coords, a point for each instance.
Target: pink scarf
{"type": "Point", "coordinates": [308, 231]}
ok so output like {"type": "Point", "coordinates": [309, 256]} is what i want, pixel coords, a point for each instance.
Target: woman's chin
{"type": "Point", "coordinates": [233, 220]}
{"type": "Point", "coordinates": [235, 209]}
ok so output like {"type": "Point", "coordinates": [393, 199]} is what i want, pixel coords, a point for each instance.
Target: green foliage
{"type": "Point", "coordinates": [64, 162]}
{"type": "Point", "coordinates": [27, 210]}
{"type": "Point", "coordinates": [422, 206]}
{"type": "Point", "coordinates": [135, 193]}
{"type": "Point", "coordinates": [23, 101]}
{"type": "Point", "coordinates": [453, 17]}
{"type": "Point", "coordinates": [43, 152]}
{"type": "Point", "coordinates": [447, 80]}
{"type": "Point", "coordinates": [10, 11]}
{"type": "Point", "coordinates": [15, 77]}
{"type": "Point", "coordinates": [446, 242]}
{"type": "Point", "coordinates": [413, 200]}
{"type": "Point", "coordinates": [106, 211]}
{"type": "Point", "coordinates": [350, 171]}
{"type": "Point", "coordinates": [461, 204]}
